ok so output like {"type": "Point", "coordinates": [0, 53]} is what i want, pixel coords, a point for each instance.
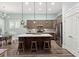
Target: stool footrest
{"type": "Point", "coordinates": [46, 45]}
{"type": "Point", "coordinates": [33, 45]}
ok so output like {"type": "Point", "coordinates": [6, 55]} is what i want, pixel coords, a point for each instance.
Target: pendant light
{"type": "Point", "coordinates": [46, 13]}
{"type": "Point", "coordinates": [34, 14]}
{"type": "Point", "coordinates": [3, 13]}
{"type": "Point", "coordinates": [34, 10]}
{"type": "Point", "coordinates": [46, 10]}
{"type": "Point", "coordinates": [22, 22]}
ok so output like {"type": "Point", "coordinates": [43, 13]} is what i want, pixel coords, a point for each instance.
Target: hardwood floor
{"type": "Point", "coordinates": [56, 51]}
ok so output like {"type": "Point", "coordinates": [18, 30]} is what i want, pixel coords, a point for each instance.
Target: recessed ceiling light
{"type": "Point", "coordinates": [3, 7]}
{"type": "Point", "coordinates": [40, 9]}
{"type": "Point", "coordinates": [40, 3]}
{"type": "Point", "coordinates": [29, 9]}
{"type": "Point", "coordinates": [49, 9]}
{"type": "Point", "coordinates": [26, 3]}
{"type": "Point", "coordinates": [53, 3]}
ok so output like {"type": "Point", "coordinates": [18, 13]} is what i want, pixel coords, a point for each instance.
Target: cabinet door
{"type": "Point", "coordinates": [74, 32]}
{"type": "Point", "coordinates": [68, 30]}
{"type": "Point", "coordinates": [77, 17]}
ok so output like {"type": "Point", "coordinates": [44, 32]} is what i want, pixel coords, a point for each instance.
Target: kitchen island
{"type": "Point", "coordinates": [40, 38]}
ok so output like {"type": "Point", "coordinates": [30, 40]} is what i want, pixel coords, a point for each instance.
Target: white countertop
{"type": "Point", "coordinates": [35, 35]}
{"type": "Point", "coordinates": [46, 31]}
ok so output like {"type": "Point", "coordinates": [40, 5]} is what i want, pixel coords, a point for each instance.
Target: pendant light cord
{"type": "Point", "coordinates": [22, 10]}
{"type": "Point", "coordinates": [22, 22]}
{"type": "Point", "coordinates": [34, 10]}
{"type": "Point", "coordinates": [46, 10]}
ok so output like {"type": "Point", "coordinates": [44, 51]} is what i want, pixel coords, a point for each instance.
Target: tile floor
{"type": "Point", "coordinates": [56, 51]}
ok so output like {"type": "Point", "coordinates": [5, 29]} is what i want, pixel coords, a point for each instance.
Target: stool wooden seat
{"type": "Point", "coordinates": [34, 46]}
{"type": "Point", "coordinates": [46, 45]}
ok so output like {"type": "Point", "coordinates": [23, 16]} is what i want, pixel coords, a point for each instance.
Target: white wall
{"type": "Point", "coordinates": [68, 5]}
{"type": "Point", "coordinates": [71, 28]}
{"type": "Point", "coordinates": [1, 26]}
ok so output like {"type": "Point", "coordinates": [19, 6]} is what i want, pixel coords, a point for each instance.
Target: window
{"type": "Point", "coordinates": [11, 25]}
{"type": "Point", "coordinates": [14, 24]}
{"type": "Point", "coordinates": [17, 24]}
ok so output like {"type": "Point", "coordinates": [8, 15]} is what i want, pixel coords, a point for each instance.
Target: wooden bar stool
{"type": "Point", "coordinates": [34, 46]}
{"type": "Point", "coordinates": [46, 45]}
{"type": "Point", "coordinates": [22, 46]}
{"type": "Point", "coordinates": [2, 42]}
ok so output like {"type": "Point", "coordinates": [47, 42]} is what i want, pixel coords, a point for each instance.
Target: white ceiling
{"type": "Point", "coordinates": [16, 7]}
